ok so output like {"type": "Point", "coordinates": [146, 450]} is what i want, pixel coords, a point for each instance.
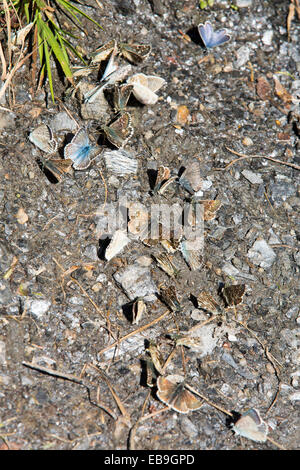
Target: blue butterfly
{"type": "Point", "coordinates": [79, 150]}
{"type": "Point", "coordinates": [210, 37]}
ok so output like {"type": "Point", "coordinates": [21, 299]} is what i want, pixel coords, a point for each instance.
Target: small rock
{"type": "Point", "coordinates": [38, 308]}
{"type": "Point", "coordinates": [183, 114]}
{"type": "Point", "coordinates": [262, 254]}
{"type": "Point", "coordinates": [144, 260]}
{"type": "Point", "coordinates": [254, 178]}
{"type": "Point", "coordinates": [292, 312]}
{"type": "Point", "coordinates": [242, 56]}
{"type": "Point", "coordinates": [136, 281]}
{"type": "Point", "coordinates": [7, 119]}
{"type": "Point", "coordinates": [230, 270]}
{"type": "Point", "coordinates": [91, 252]}
{"type": "Point", "coordinates": [282, 191]}
{"type": "Point", "coordinates": [117, 243]}
{"type": "Point", "coordinates": [3, 97]}
{"type": "Point", "coordinates": [267, 37]}
{"type": "Point", "coordinates": [295, 396]}
{"type": "Point", "coordinates": [21, 216]}
{"type": "Point", "coordinates": [2, 353]}
{"type": "Point", "coordinates": [188, 427]}
{"type": "Point", "coordinates": [243, 3]}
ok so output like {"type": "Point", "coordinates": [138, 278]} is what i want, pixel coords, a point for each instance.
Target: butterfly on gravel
{"type": "Point", "coordinates": [173, 391]}
{"type": "Point", "coordinates": [121, 96]}
{"type": "Point", "coordinates": [211, 38]}
{"type": "Point", "coordinates": [135, 53]}
{"type": "Point", "coordinates": [145, 87]}
{"type": "Point", "coordinates": [252, 426]}
{"type": "Point", "coordinates": [102, 52]}
{"type": "Point", "coordinates": [233, 295]}
{"type": "Point", "coordinates": [56, 168]}
{"type": "Point", "coordinates": [80, 150]}
{"type": "Point", "coordinates": [119, 131]}
{"type": "Point", "coordinates": [42, 137]}
{"type": "Point", "coordinates": [191, 179]}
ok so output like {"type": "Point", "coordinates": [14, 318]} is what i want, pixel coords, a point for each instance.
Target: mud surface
{"type": "Point", "coordinates": [61, 306]}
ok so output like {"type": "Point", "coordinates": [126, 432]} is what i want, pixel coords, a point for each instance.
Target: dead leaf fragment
{"type": "Point", "coordinates": [282, 92]}
{"type": "Point", "coordinates": [21, 216]}
{"type": "Point", "coordinates": [263, 88]}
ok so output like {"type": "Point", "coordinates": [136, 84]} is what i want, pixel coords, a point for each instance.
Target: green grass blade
{"type": "Point", "coordinates": [48, 69]}
{"type": "Point", "coordinates": [69, 7]}
{"type": "Point", "coordinates": [52, 42]}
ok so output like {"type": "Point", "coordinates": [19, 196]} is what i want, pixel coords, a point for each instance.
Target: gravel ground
{"type": "Point", "coordinates": [65, 308]}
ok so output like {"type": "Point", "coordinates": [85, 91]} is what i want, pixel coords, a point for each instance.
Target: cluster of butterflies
{"type": "Point", "coordinates": [79, 153]}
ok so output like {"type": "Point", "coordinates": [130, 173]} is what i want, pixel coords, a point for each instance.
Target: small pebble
{"type": "Point", "coordinates": [262, 254]}
{"type": "Point", "coordinates": [244, 3]}
{"type": "Point", "coordinates": [267, 37]}
{"type": "Point", "coordinates": [242, 56]}
{"type": "Point", "coordinates": [38, 308]}
{"type": "Point", "coordinates": [254, 178]}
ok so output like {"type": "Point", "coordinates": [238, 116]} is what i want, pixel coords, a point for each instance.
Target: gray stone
{"type": "Point", "coordinates": [136, 281]}
{"type": "Point", "coordinates": [242, 56]}
{"type": "Point", "coordinates": [262, 254]}
{"type": "Point", "coordinates": [38, 308]}
{"type": "Point", "coordinates": [254, 178]}
{"type": "Point", "coordinates": [243, 3]}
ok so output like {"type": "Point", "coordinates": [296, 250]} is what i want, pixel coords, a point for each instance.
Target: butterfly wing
{"type": "Point", "coordinates": [233, 295]}
{"type": "Point", "coordinates": [79, 150]}
{"type": "Point", "coordinates": [120, 131]}
{"type": "Point", "coordinates": [121, 96]}
{"type": "Point", "coordinates": [192, 257]}
{"type": "Point", "coordinates": [210, 37]}
{"type": "Point", "coordinates": [135, 53]}
{"type": "Point", "coordinates": [251, 426]}
{"type": "Point", "coordinates": [111, 66]}
{"type": "Point", "coordinates": [42, 137]}
{"type": "Point", "coordinates": [191, 179]}
{"type": "Point", "coordinates": [219, 37]}
{"type": "Point", "coordinates": [206, 32]}
{"type": "Point", "coordinates": [103, 52]}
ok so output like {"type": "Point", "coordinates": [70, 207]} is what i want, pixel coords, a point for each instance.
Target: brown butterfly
{"type": "Point", "coordinates": [120, 131]}
{"type": "Point", "coordinates": [57, 167]}
{"type": "Point", "coordinates": [169, 296]}
{"type": "Point", "coordinates": [233, 295]}
{"type": "Point", "coordinates": [135, 53]}
{"type": "Point", "coordinates": [208, 303]}
{"type": "Point", "coordinates": [156, 357]}
{"type": "Point", "coordinates": [166, 264]}
{"type": "Point", "coordinates": [173, 392]}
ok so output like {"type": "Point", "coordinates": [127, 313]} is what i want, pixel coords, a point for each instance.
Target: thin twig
{"type": "Point", "coordinates": [112, 391]}
{"type": "Point", "coordinates": [71, 378]}
{"type": "Point", "coordinates": [243, 157]}
{"type": "Point", "coordinates": [142, 328]}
